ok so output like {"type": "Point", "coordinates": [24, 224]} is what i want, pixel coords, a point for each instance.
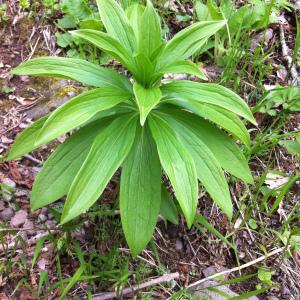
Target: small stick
{"type": "Point", "coordinates": [130, 290]}
{"type": "Point", "coordinates": [253, 262]}
{"type": "Point", "coordinates": [288, 58]}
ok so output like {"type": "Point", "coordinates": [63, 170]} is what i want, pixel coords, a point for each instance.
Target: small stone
{"type": "Point", "coordinates": [7, 214]}
{"type": "Point", "coordinates": [50, 224]}
{"type": "Point", "coordinates": [42, 264]}
{"type": "Point", "coordinates": [272, 298]}
{"type": "Point", "coordinates": [42, 218]}
{"type": "Point", "coordinates": [179, 245]}
{"type": "Point", "coordinates": [2, 206]}
{"type": "Point", "coordinates": [19, 218]}
{"type": "Point", "coordinates": [44, 210]}
{"type": "Point", "coordinates": [28, 224]}
{"type": "Point", "coordinates": [209, 271]}
{"type": "Point", "coordinates": [50, 216]}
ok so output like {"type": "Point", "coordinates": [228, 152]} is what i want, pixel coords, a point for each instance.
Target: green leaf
{"type": "Point", "coordinates": [178, 165]}
{"type": "Point", "coordinates": [168, 208]}
{"type": "Point", "coordinates": [184, 66]}
{"type": "Point", "coordinates": [223, 148]}
{"type": "Point", "coordinates": [146, 99]}
{"type": "Point", "coordinates": [25, 141]}
{"type": "Point", "coordinates": [116, 23]}
{"type": "Point", "coordinates": [75, 69]}
{"type": "Point", "coordinates": [293, 147]}
{"type": "Point", "coordinates": [108, 44]}
{"type": "Point", "coordinates": [149, 32]}
{"type": "Point", "coordinates": [60, 169]}
{"type": "Point", "coordinates": [187, 42]}
{"type": "Point", "coordinates": [108, 151]}
{"type": "Point", "coordinates": [140, 191]}
{"type": "Point", "coordinates": [134, 13]}
{"type": "Point", "coordinates": [208, 93]}
{"type": "Point", "coordinates": [79, 110]}
{"type": "Point", "coordinates": [145, 70]}
{"type": "Point", "coordinates": [73, 281]}
{"type": "Point", "coordinates": [208, 168]}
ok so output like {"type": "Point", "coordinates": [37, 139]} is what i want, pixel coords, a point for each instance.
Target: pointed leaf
{"type": "Point", "coordinates": [140, 191]}
{"type": "Point", "coordinates": [168, 208]}
{"type": "Point", "coordinates": [60, 169]}
{"type": "Point", "coordinates": [208, 168]}
{"type": "Point", "coordinates": [75, 69]}
{"type": "Point", "coordinates": [187, 42]}
{"type": "Point", "coordinates": [108, 44]}
{"type": "Point", "coordinates": [117, 24]}
{"type": "Point", "coordinates": [184, 66]}
{"type": "Point", "coordinates": [25, 141]}
{"type": "Point", "coordinates": [178, 165]}
{"type": "Point", "coordinates": [108, 151]}
{"type": "Point", "coordinates": [146, 100]}
{"type": "Point", "coordinates": [150, 35]}
{"type": "Point", "coordinates": [79, 110]}
{"type": "Point", "coordinates": [134, 14]}
{"type": "Point", "coordinates": [208, 93]}
{"type": "Point", "coordinates": [224, 149]}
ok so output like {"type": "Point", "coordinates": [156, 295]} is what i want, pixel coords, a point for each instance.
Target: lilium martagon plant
{"type": "Point", "coordinates": [146, 126]}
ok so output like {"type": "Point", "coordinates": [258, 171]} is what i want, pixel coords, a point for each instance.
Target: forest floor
{"type": "Point", "coordinates": [38, 257]}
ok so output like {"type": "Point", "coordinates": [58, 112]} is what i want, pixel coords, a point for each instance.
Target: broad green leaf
{"type": "Point", "coordinates": [117, 24]}
{"type": "Point", "coordinates": [208, 168]}
{"type": "Point", "coordinates": [134, 14]}
{"type": "Point", "coordinates": [146, 99]}
{"type": "Point", "coordinates": [140, 191]}
{"type": "Point", "coordinates": [168, 208]}
{"type": "Point", "coordinates": [202, 11]}
{"type": "Point", "coordinates": [184, 66]}
{"type": "Point", "coordinates": [75, 69]}
{"type": "Point", "coordinates": [108, 151]}
{"type": "Point", "coordinates": [187, 42]}
{"type": "Point", "coordinates": [208, 93]}
{"type": "Point", "coordinates": [224, 149]}
{"type": "Point", "coordinates": [224, 118]}
{"type": "Point", "coordinates": [178, 165]}
{"type": "Point", "coordinates": [60, 169]}
{"type": "Point", "coordinates": [293, 147]}
{"type": "Point", "coordinates": [108, 44]}
{"type": "Point", "coordinates": [25, 141]}
{"type": "Point", "coordinates": [150, 35]}
{"type": "Point", "coordinates": [79, 110]}
{"type": "Point", "coordinates": [145, 69]}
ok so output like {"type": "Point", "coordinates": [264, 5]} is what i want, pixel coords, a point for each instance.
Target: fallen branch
{"type": "Point", "coordinates": [135, 288]}
{"type": "Point", "coordinates": [253, 262]}
{"type": "Point", "coordinates": [288, 58]}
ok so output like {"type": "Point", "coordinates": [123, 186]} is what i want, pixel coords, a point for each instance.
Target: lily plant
{"type": "Point", "coordinates": [140, 123]}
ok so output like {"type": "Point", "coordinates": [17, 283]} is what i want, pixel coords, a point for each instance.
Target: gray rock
{"type": "Point", "coordinates": [50, 216]}
{"type": "Point", "coordinates": [201, 291]}
{"type": "Point", "coordinates": [209, 271]}
{"type": "Point", "coordinates": [51, 224]}
{"type": "Point", "coordinates": [7, 214]}
{"type": "Point", "coordinates": [19, 218]}
{"type": "Point", "coordinates": [42, 218]}
{"type": "Point", "coordinates": [179, 245]}
{"type": "Point", "coordinates": [2, 206]}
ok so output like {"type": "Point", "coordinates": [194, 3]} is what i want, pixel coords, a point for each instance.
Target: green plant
{"type": "Point", "coordinates": [144, 125]}
{"type": "Point", "coordinates": [77, 15]}
{"type": "Point", "coordinates": [3, 15]}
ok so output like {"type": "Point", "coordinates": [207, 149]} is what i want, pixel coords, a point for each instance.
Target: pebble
{"type": "Point", "coordinates": [50, 216]}
{"type": "Point", "coordinates": [209, 271]}
{"type": "Point", "coordinates": [42, 218]}
{"type": "Point", "coordinates": [51, 224]}
{"type": "Point", "coordinates": [2, 207]}
{"type": "Point", "coordinates": [19, 218]}
{"type": "Point", "coordinates": [179, 244]}
{"type": "Point", "coordinates": [29, 224]}
{"type": "Point", "coordinates": [7, 214]}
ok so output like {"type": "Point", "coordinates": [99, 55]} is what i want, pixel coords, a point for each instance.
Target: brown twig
{"type": "Point", "coordinates": [288, 58]}
{"type": "Point", "coordinates": [135, 288]}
